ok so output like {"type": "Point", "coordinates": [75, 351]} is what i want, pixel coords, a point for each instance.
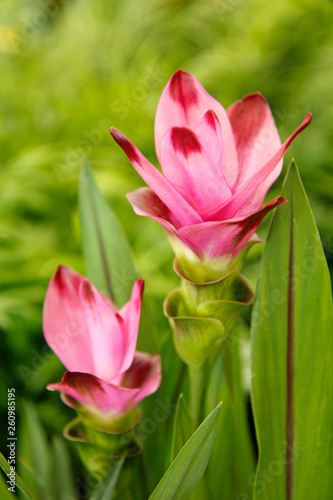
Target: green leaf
{"type": "Point", "coordinates": [190, 464]}
{"type": "Point", "coordinates": [292, 355]}
{"type": "Point", "coordinates": [182, 427]}
{"type": "Point", "coordinates": [106, 488]}
{"type": "Point", "coordinates": [18, 481]}
{"type": "Point", "coordinates": [107, 253]}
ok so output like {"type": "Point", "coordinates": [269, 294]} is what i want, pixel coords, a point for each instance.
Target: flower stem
{"type": "Point", "coordinates": [198, 384]}
{"type": "Point", "coordinates": [197, 393]}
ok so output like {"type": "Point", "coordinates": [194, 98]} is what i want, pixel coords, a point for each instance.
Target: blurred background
{"type": "Point", "coordinates": [69, 70]}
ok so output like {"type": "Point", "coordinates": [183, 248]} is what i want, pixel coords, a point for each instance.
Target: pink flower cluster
{"type": "Point", "coordinates": [217, 168]}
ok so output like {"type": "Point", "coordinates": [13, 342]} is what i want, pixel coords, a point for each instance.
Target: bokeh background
{"type": "Point", "coordinates": [69, 70]}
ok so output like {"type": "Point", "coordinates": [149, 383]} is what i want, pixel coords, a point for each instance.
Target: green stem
{"type": "Point", "coordinates": [198, 384]}
{"type": "Point", "coordinates": [143, 475]}
{"type": "Point", "coordinates": [229, 370]}
{"type": "Point", "coordinates": [197, 393]}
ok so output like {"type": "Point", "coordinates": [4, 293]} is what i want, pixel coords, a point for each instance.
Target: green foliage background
{"type": "Point", "coordinates": [70, 69]}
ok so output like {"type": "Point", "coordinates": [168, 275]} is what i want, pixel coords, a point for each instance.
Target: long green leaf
{"type": "Point", "coordinates": [107, 253]}
{"type": "Point", "coordinates": [190, 464]}
{"type": "Point", "coordinates": [292, 356]}
{"type": "Point", "coordinates": [18, 481]}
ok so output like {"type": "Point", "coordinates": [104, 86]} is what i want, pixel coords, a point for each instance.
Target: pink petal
{"type": "Point", "coordinates": [94, 394]}
{"type": "Point", "coordinates": [210, 134]}
{"type": "Point", "coordinates": [256, 136]}
{"type": "Point", "coordinates": [160, 185]}
{"type": "Point", "coordinates": [145, 373]}
{"type": "Point", "coordinates": [225, 239]}
{"type": "Point", "coordinates": [183, 103]}
{"type": "Point", "coordinates": [145, 202]}
{"type": "Point", "coordinates": [192, 170]}
{"type": "Point", "coordinates": [250, 195]}
{"type": "Point", "coordinates": [130, 313]}
{"type": "Point", "coordinates": [80, 327]}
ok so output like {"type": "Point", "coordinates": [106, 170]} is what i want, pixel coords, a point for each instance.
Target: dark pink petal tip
{"type": "Point", "coordinates": [88, 292]}
{"type": "Point", "coordinates": [61, 275]}
{"type": "Point", "coordinates": [141, 285]}
{"type": "Point", "coordinates": [211, 118]}
{"type": "Point", "coordinates": [254, 96]}
{"type": "Point", "coordinates": [185, 141]}
{"type": "Point", "coordinates": [125, 144]}
{"type": "Point", "coordinates": [182, 89]}
{"type": "Point", "coordinates": [306, 121]}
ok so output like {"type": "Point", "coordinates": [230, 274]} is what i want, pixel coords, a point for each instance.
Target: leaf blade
{"type": "Point", "coordinates": [189, 465]}
{"type": "Point", "coordinates": [107, 253]}
{"type": "Point", "coordinates": [182, 427]}
{"type": "Point", "coordinates": [292, 354]}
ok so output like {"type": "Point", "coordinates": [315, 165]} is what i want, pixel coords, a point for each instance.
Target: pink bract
{"type": "Point", "coordinates": [96, 342]}
{"type": "Point", "coordinates": [217, 168]}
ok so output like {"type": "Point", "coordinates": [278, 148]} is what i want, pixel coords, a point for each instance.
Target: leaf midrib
{"type": "Point", "coordinates": [290, 366]}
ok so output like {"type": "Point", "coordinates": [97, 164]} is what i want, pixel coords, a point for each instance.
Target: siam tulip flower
{"type": "Point", "coordinates": [217, 168]}
{"type": "Point", "coordinates": [96, 343]}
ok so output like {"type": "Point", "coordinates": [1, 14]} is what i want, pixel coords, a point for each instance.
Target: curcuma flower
{"type": "Point", "coordinates": [96, 343]}
{"type": "Point", "coordinates": [217, 168]}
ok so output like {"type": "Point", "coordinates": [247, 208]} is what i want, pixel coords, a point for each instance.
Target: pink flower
{"type": "Point", "coordinates": [217, 168]}
{"type": "Point", "coordinates": [96, 343]}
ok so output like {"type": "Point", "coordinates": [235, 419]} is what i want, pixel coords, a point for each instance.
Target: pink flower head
{"type": "Point", "coordinates": [96, 343]}
{"type": "Point", "coordinates": [217, 168]}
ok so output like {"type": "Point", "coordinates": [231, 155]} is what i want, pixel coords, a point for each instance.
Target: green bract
{"type": "Point", "coordinates": [203, 315]}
